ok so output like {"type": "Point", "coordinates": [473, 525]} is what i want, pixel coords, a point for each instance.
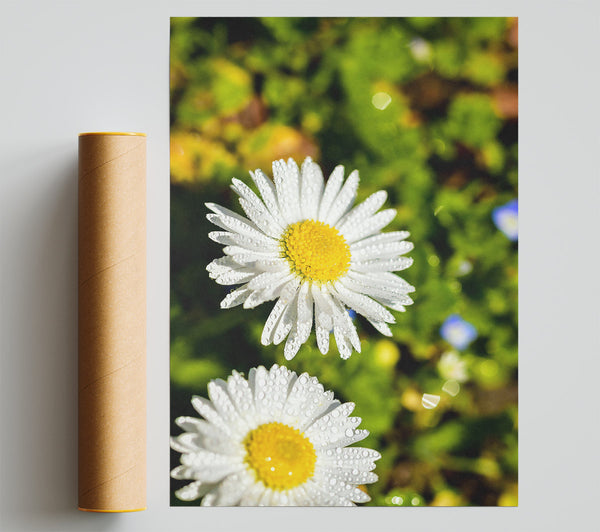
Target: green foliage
{"type": "Point", "coordinates": [424, 108]}
{"type": "Point", "coordinates": [472, 120]}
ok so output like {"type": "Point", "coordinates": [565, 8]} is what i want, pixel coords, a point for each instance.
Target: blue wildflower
{"type": "Point", "coordinates": [458, 332]}
{"type": "Point", "coordinates": [506, 219]}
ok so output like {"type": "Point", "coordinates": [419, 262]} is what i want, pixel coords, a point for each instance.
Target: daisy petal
{"type": "Point", "coordinates": [381, 238]}
{"type": "Point", "coordinates": [222, 265]}
{"type": "Point", "coordinates": [363, 305]}
{"type": "Point", "coordinates": [193, 491]}
{"type": "Point", "coordinates": [209, 499]}
{"type": "Point", "coordinates": [271, 390]}
{"type": "Point", "coordinates": [343, 200]}
{"type": "Point", "coordinates": [236, 297]}
{"type": "Point", "coordinates": [323, 319]}
{"type": "Point", "coordinates": [353, 476]}
{"type": "Point", "coordinates": [239, 225]}
{"type": "Point", "coordinates": [305, 312]}
{"type": "Point", "coordinates": [253, 495]}
{"type": "Point", "coordinates": [261, 219]}
{"type": "Point", "coordinates": [287, 184]}
{"type": "Point", "coordinates": [277, 288]}
{"type": "Point", "coordinates": [383, 280]}
{"type": "Point", "coordinates": [382, 327]}
{"type": "Point", "coordinates": [292, 344]}
{"type": "Point", "coordinates": [256, 209]}
{"type": "Point", "coordinates": [233, 239]}
{"type": "Point", "coordinates": [185, 443]}
{"type": "Point", "coordinates": [205, 409]}
{"type": "Point", "coordinates": [240, 393]}
{"type": "Point", "coordinates": [354, 456]}
{"type": "Point", "coordinates": [182, 472]}
{"type": "Point", "coordinates": [343, 344]}
{"type": "Point", "coordinates": [358, 495]}
{"type": "Point", "coordinates": [385, 265]}
{"type": "Point", "coordinates": [311, 189]}
{"type": "Point", "coordinates": [232, 489]}
{"type": "Point", "coordinates": [286, 322]}
{"type": "Point", "coordinates": [234, 251]}
{"type": "Point", "coordinates": [280, 307]}
{"type": "Point", "coordinates": [268, 194]}
{"type": "Point", "coordinates": [378, 292]}
{"type": "Point", "coordinates": [361, 212]}
{"type": "Point", "coordinates": [334, 183]}
{"type": "Point", "coordinates": [344, 322]}
{"type": "Point", "coordinates": [217, 391]}
{"type": "Point", "coordinates": [234, 276]}
{"type": "Point", "coordinates": [272, 320]}
{"type": "Point", "coordinates": [382, 251]}
{"type": "Point", "coordinates": [370, 226]}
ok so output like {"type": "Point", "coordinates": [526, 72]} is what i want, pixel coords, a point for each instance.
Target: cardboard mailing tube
{"type": "Point", "coordinates": [112, 322]}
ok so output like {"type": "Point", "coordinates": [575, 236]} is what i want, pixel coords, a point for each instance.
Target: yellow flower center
{"type": "Point", "coordinates": [281, 456]}
{"type": "Point", "coordinates": [316, 251]}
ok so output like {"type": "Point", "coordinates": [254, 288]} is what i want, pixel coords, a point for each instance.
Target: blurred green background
{"type": "Point", "coordinates": [425, 108]}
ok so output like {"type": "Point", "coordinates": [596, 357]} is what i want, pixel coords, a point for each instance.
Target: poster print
{"type": "Point", "coordinates": [344, 261]}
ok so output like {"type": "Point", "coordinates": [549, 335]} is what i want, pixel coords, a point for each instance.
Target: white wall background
{"type": "Point", "coordinates": [68, 67]}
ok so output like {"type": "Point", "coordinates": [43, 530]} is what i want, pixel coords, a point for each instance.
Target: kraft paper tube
{"type": "Point", "coordinates": [112, 322]}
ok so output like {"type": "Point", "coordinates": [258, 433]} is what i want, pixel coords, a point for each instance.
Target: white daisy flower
{"type": "Point", "coordinates": [305, 246]}
{"type": "Point", "coordinates": [276, 439]}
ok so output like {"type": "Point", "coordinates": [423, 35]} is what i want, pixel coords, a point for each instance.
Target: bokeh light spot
{"type": "Point", "coordinates": [451, 387]}
{"type": "Point", "coordinates": [381, 100]}
{"type": "Point", "coordinates": [433, 260]}
{"type": "Point", "coordinates": [430, 401]}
